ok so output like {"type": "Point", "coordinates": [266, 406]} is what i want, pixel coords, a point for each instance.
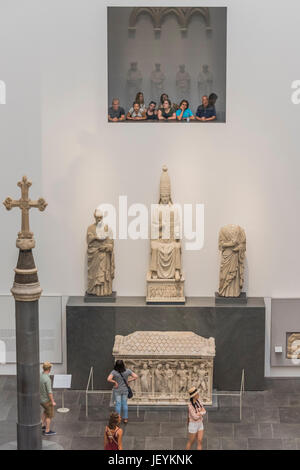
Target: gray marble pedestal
{"type": "Point", "coordinates": [239, 331]}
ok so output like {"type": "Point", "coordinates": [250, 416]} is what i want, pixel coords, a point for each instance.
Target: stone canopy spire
{"type": "Point", "coordinates": [165, 184]}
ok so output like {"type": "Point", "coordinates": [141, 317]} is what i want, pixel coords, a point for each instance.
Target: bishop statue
{"type": "Point", "coordinates": [165, 280]}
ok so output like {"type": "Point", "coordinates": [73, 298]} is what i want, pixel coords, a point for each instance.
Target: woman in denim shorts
{"type": "Point", "coordinates": [196, 412]}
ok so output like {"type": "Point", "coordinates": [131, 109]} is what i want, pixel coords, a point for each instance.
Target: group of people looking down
{"type": "Point", "coordinates": [165, 110]}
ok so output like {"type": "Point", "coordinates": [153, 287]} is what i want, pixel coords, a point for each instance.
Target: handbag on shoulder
{"type": "Point", "coordinates": [130, 392]}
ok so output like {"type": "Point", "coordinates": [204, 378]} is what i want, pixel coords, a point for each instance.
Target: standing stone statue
{"type": "Point", "coordinates": [205, 82]}
{"type": "Point", "coordinates": [159, 378]}
{"type": "Point", "coordinates": [134, 82]}
{"type": "Point", "coordinates": [157, 83]}
{"type": "Point", "coordinates": [182, 374]}
{"type": "Point", "coordinates": [169, 375]}
{"type": "Point", "coordinates": [165, 280]}
{"type": "Point", "coordinates": [145, 378]}
{"type": "Point", "coordinates": [232, 244]}
{"type": "Point", "coordinates": [183, 84]}
{"type": "Point", "coordinates": [101, 263]}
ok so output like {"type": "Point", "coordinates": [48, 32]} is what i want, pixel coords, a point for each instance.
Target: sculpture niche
{"type": "Point", "coordinates": [101, 263]}
{"type": "Point", "coordinates": [165, 282]}
{"type": "Point", "coordinates": [232, 244]}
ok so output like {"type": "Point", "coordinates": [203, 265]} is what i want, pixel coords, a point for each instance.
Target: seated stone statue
{"type": "Point", "coordinates": [232, 244]}
{"type": "Point", "coordinates": [166, 247]}
{"type": "Point", "coordinates": [101, 264]}
{"type": "Point", "coordinates": [165, 262]}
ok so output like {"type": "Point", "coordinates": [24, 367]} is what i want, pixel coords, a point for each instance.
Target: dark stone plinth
{"type": "Point", "coordinates": [90, 298]}
{"type": "Point", "coordinates": [239, 331]}
{"type": "Point", "coordinates": [241, 299]}
{"type": "Point", "coordinates": [46, 445]}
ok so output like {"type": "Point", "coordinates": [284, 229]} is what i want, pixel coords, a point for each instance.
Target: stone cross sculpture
{"type": "Point", "coordinates": [25, 239]}
{"type": "Point", "coordinates": [165, 282]}
{"type": "Point", "coordinates": [101, 263]}
{"type": "Point", "coordinates": [27, 291]}
{"type": "Point", "coordinates": [232, 244]}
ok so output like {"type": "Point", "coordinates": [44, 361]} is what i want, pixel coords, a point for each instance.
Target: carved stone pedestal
{"type": "Point", "coordinates": [241, 299]}
{"type": "Point", "coordinates": [239, 331]}
{"type": "Point", "coordinates": [167, 363]}
{"type": "Point", "coordinates": [90, 298]}
{"type": "Point", "coordinates": [165, 291]}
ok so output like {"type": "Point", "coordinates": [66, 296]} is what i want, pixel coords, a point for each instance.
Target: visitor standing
{"type": "Point", "coordinates": [196, 411]}
{"type": "Point", "coordinates": [120, 377]}
{"type": "Point", "coordinates": [47, 400]}
{"type": "Point", "coordinates": [113, 433]}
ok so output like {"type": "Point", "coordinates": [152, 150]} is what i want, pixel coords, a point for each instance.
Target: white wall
{"type": "Point", "coordinates": [53, 57]}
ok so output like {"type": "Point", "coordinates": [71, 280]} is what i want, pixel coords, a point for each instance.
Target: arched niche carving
{"type": "Point", "coordinates": [159, 14]}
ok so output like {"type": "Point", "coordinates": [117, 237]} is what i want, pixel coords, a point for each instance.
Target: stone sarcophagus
{"type": "Point", "coordinates": [167, 364]}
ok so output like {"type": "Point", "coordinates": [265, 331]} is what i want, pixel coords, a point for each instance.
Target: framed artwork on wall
{"type": "Point", "coordinates": [293, 345]}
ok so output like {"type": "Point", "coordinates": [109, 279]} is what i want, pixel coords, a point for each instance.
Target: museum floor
{"type": "Point", "coordinates": [271, 420]}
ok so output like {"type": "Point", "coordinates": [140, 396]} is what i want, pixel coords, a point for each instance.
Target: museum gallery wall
{"type": "Point", "coordinates": [242, 171]}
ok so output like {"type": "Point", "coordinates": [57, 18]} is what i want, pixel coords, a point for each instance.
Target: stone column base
{"type": "Point", "coordinates": [165, 291]}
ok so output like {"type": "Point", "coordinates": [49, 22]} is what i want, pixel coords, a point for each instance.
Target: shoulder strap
{"type": "Point", "coordinates": [125, 381]}
{"type": "Point", "coordinates": [112, 436]}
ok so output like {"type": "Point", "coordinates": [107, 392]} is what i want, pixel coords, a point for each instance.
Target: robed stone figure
{"type": "Point", "coordinates": [165, 280]}
{"type": "Point", "coordinates": [165, 233]}
{"type": "Point", "coordinates": [232, 244]}
{"type": "Point", "coordinates": [101, 263]}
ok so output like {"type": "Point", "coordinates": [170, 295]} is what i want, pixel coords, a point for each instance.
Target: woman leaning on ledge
{"type": "Point", "coordinates": [184, 112]}
{"type": "Point", "coordinates": [135, 113]}
{"type": "Point", "coordinates": [206, 111]}
{"type": "Point", "coordinates": [167, 113]}
{"type": "Point", "coordinates": [196, 411]}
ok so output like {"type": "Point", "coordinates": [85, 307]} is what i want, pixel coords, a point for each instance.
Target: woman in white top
{"type": "Point", "coordinates": [195, 419]}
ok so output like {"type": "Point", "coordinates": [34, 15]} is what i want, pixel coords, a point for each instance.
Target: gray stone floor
{"type": "Point", "coordinates": [271, 420]}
